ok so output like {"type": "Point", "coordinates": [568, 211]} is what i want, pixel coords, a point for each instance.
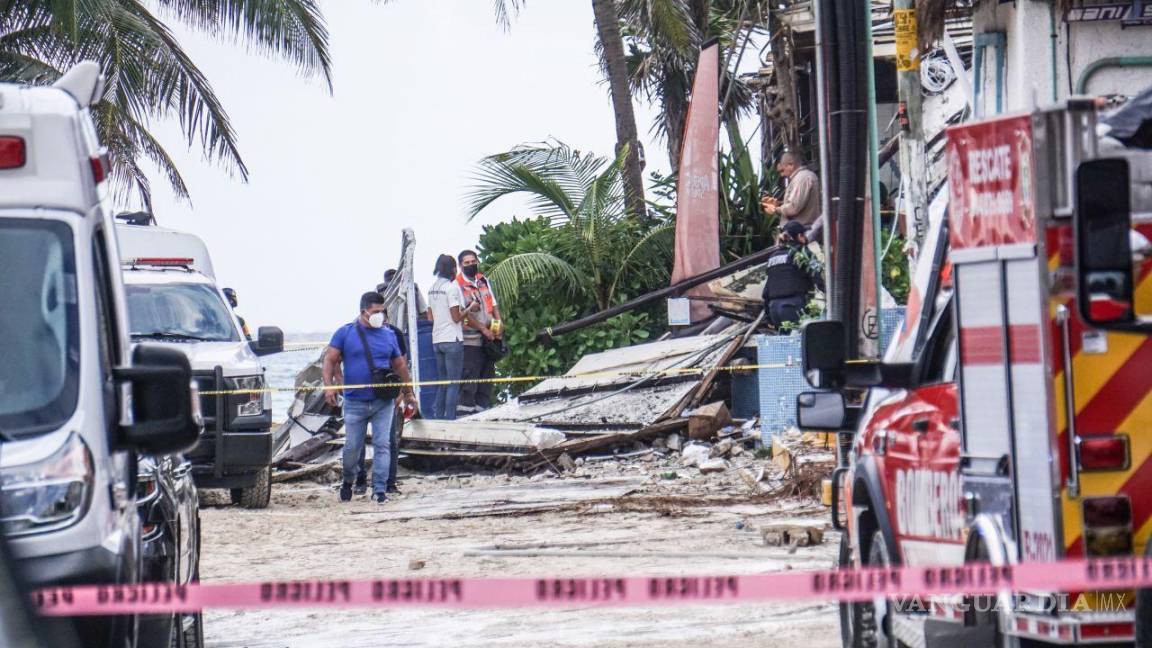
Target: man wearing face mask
{"type": "Point", "coordinates": [481, 324]}
{"type": "Point", "coordinates": [358, 350]}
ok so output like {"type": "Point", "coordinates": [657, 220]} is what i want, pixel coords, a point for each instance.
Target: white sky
{"type": "Point", "coordinates": [423, 90]}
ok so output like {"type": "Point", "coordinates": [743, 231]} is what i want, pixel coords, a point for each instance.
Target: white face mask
{"type": "Point", "coordinates": [376, 320]}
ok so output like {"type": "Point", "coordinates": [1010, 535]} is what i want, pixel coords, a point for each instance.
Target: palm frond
{"type": "Point", "coordinates": [554, 177]}
{"type": "Point", "coordinates": [168, 81]}
{"type": "Point", "coordinates": [651, 252]}
{"type": "Point", "coordinates": [127, 142]}
{"type": "Point", "coordinates": [290, 29]}
{"type": "Point", "coordinates": [513, 274]}
{"type": "Point", "coordinates": [505, 10]}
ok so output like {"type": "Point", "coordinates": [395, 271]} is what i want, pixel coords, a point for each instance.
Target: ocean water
{"type": "Point", "coordinates": [280, 370]}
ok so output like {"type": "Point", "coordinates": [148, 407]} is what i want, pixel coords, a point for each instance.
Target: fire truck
{"type": "Point", "coordinates": [1010, 420]}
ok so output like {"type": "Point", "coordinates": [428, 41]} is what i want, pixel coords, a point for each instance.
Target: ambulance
{"type": "Point", "coordinates": [78, 400]}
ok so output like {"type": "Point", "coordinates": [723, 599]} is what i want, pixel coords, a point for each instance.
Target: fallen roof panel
{"type": "Point", "coordinates": [618, 367]}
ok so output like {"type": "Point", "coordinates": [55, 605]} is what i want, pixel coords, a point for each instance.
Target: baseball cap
{"type": "Point", "coordinates": [793, 228]}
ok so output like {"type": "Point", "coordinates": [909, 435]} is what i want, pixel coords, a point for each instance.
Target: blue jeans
{"type": "Point", "coordinates": [357, 415]}
{"type": "Point", "coordinates": [449, 366]}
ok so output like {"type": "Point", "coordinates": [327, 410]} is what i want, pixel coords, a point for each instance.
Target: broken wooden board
{"type": "Point", "coordinates": [516, 499]}
{"type": "Point", "coordinates": [467, 433]}
{"type": "Point", "coordinates": [306, 451]}
{"type": "Point", "coordinates": [308, 471]}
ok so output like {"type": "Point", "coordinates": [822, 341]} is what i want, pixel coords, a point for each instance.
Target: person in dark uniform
{"type": "Point", "coordinates": [793, 273]}
{"type": "Point", "coordinates": [234, 302]}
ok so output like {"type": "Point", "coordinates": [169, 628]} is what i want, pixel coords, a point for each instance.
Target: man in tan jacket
{"type": "Point", "coordinates": [802, 195]}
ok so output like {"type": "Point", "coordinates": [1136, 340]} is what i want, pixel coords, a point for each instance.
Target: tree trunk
{"type": "Point", "coordinates": [674, 97]}
{"type": "Point", "coordinates": [608, 30]}
{"type": "Point", "coordinates": [782, 51]}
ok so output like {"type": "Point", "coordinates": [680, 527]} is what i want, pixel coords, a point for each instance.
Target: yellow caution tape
{"type": "Point", "coordinates": [675, 371]}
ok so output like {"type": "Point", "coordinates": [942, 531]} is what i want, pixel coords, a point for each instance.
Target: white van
{"type": "Point", "coordinates": [77, 399]}
{"type": "Point", "coordinates": [173, 299]}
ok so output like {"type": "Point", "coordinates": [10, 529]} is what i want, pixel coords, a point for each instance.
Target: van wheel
{"type": "Point", "coordinates": [188, 629]}
{"type": "Point", "coordinates": [258, 495]}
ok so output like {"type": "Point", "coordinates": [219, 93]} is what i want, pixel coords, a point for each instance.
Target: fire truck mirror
{"type": "Point", "coordinates": [824, 354]}
{"type": "Point", "coordinates": [1105, 265]}
{"type": "Point", "coordinates": [820, 411]}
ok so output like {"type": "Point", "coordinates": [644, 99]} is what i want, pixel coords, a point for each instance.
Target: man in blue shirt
{"type": "Point", "coordinates": [346, 363]}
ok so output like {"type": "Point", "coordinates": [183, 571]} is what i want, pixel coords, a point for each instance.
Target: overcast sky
{"type": "Point", "coordinates": [423, 90]}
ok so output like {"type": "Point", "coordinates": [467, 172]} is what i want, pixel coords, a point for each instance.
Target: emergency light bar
{"type": "Point", "coordinates": [164, 262]}
{"type": "Point", "coordinates": [12, 152]}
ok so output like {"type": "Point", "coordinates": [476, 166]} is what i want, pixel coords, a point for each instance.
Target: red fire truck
{"type": "Point", "coordinates": [1011, 419]}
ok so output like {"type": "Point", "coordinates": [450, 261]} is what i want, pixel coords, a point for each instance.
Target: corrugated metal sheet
{"type": "Point", "coordinates": [603, 410]}
{"type": "Point", "coordinates": [618, 367]}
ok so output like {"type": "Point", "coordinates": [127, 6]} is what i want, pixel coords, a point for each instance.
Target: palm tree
{"type": "Point", "coordinates": [596, 249]}
{"type": "Point", "coordinates": [664, 38]}
{"type": "Point", "coordinates": [615, 66]}
{"type": "Point", "coordinates": [149, 75]}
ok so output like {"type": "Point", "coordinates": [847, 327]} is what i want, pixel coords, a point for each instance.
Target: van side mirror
{"type": "Point", "coordinates": [165, 404]}
{"type": "Point", "coordinates": [1105, 267]}
{"type": "Point", "coordinates": [824, 355]}
{"type": "Point", "coordinates": [269, 340]}
{"type": "Point", "coordinates": [820, 411]}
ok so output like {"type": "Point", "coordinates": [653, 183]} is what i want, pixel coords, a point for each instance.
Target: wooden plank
{"type": "Point", "coordinates": [472, 433]}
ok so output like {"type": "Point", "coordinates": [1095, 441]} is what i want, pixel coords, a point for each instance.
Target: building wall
{"type": "Point", "coordinates": [1034, 32]}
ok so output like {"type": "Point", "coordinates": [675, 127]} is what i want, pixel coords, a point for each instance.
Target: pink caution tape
{"type": "Point", "coordinates": [837, 585]}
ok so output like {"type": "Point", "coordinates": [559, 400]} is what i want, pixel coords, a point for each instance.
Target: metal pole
{"type": "Point", "coordinates": [874, 177]}
{"type": "Point", "coordinates": [910, 110]}
{"type": "Point", "coordinates": [822, 132]}
{"type": "Point", "coordinates": [408, 273]}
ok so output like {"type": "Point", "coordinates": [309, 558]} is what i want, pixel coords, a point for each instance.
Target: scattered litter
{"type": "Point", "coordinates": [792, 535]}
{"type": "Point", "coordinates": [694, 453]}
{"type": "Point", "coordinates": [713, 465]}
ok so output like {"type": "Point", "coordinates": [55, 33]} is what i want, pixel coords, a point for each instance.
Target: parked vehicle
{"type": "Point", "coordinates": [964, 451]}
{"type": "Point", "coordinates": [170, 528]}
{"type": "Point", "coordinates": [77, 400]}
{"type": "Point", "coordinates": [173, 300]}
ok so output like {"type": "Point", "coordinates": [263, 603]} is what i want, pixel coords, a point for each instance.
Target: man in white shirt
{"type": "Point", "coordinates": [446, 309]}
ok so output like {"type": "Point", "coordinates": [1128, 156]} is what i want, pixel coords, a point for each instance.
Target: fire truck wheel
{"type": "Point", "coordinates": [856, 619]}
{"type": "Point", "coordinates": [865, 624]}
{"type": "Point", "coordinates": [1144, 618]}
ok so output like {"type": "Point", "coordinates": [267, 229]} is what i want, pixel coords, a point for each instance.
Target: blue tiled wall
{"type": "Point", "coordinates": [779, 385]}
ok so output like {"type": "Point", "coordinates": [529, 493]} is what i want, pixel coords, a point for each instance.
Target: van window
{"type": "Point", "coordinates": [179, 311]}
{"type": "Point", "coordinates": [39, 327]}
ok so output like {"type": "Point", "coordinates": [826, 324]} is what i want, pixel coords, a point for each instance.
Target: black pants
{"type": "Point", "coordinates": [477, 365]}
{"type": "Point", "coordinates": [394, 446]}
{"type": "Point", "coordinates": [785, 310]}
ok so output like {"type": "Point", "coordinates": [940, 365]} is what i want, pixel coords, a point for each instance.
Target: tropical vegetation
{"type": "Point", "coordinates": [150, 76]}
{"type": "Point", "coordinates": [582, 252]}
{"type": "Point", "coordinates": [610, 44]}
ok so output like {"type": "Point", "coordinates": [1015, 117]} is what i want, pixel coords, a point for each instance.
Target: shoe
{"type": "Point", "coordinates": [393, 489]}
{"type": "Point", "coordinates": [381, 498]}
{"type": "Point", "coordinates": [346, 492]}
{"type": "Point", "coordinates": [361, 486]}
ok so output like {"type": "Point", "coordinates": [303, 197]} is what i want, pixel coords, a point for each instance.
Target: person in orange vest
{"type": "Point", "coordinates": [482, 331]}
